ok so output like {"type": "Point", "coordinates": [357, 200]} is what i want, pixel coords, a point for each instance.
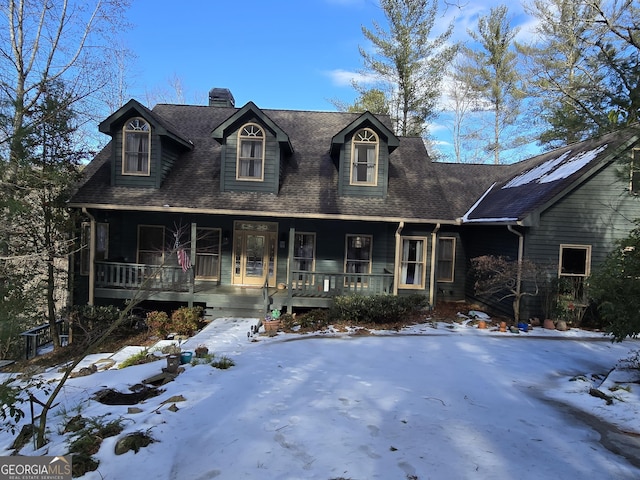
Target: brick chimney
{"type": "Point", "coordinates": [221, 97]}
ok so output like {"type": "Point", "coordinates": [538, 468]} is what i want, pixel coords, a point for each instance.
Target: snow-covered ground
{"type": "Point", "coordinates": [429, 402]}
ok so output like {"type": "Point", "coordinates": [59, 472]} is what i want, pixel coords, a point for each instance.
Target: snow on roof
{"type": "Point", "coordinates": [555, 168]}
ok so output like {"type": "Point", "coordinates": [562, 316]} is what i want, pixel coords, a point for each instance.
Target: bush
{"type": "Point", "coordinates": [186, 320]}
{"type": "Point", "coordinates": [183, 321]}
{"type": "Point", "coordinates": [377, 309]}
{"type": "Point", "coordinates": [615, 286]}
{"type": "Point", "coordinates": [158, 323]}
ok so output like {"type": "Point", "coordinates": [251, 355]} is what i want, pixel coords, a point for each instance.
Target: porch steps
{"type": "Point", "coordinates": [211, 313]}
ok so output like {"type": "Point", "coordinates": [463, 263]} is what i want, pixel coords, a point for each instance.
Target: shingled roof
{"type": "Point", "coordinates": [544, 179]}
{"type": "Point", "coordinates": [419, 190]}
{"type": "Point", "coordinates": [310, 177]}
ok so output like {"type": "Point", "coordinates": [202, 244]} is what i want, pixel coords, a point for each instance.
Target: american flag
{"type": "Point", "coordinates": [183, 259]}
{"type": "Point", "coordinates": [183, 256]}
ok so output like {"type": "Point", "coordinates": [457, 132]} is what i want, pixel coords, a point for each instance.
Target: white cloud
{"type": "Point", "coordinates": [345, 78]}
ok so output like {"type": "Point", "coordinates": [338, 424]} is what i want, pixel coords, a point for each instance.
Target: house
{"type": "Point", "coordinates": [249, 208]}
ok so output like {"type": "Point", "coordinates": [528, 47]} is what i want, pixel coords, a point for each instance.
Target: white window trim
{"type": "Point", "coordinates": [376, 144]}
{"type": "Point", "coordinates": [124, 149]}
{"type": "Point", "coordinates": [451, 279]}
{"type": "Point", "coordinates": [423, 278]}
{"type": "Point", "coordinates": [239, 150]}
{"type": "Point", "coordinates": [587, 260]}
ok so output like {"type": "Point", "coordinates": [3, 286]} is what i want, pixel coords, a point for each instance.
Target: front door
{"type": "Point", "coordinates": [254, 254]}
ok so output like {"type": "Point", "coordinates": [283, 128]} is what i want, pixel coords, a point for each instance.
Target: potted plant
{"type": "Point", "coordinates": [272, 322]}
{"type": "Point", "coordinates": [201, 351]}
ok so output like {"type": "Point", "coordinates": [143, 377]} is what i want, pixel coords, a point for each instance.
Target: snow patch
{"type": "Point", "coordinates": [555, 168]}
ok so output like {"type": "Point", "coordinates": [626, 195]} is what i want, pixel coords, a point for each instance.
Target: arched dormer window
{"type": "Point", "coordinates": [364, 154]}
{"type": "Point", "coordinates": [250, 164]}
{"type": "Point", "coordinates": [136, 151]}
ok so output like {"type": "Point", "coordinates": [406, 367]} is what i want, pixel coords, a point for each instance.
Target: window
{"type": "Point", "coordinates": [136, 151]}
{"type": "Point", "coordinates": [634, 174]}
{"type": "Point", "coordinates": [574, 267]}
{"type": "Point", "coordinates": [575, 261]}
{"type": "Point", "coordinates": [150, 245]}
{"type": "Point", "coordinates": [208, 253]}
{"type": "Point", "coordinates": [364, 168]}
{"type": "Point", "coordinates": [446, 259]}
{"type": "Point", "coordinates": [412, 265]}
{"type": "Point", "coordinates": [101, 245]}
{"type": "Point", "coordinates": [304, 252]}
{"type": "Point", "coordinates": [358, 256]}
{"type": "Point", "coordinates": [250, 153]}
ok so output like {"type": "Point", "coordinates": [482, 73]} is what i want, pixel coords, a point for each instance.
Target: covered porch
{"type": "Point", "coordinates": [304, 289]}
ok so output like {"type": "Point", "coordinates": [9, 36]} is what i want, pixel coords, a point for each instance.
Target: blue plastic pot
{"type": "Point", "coordinates": [185, 357]}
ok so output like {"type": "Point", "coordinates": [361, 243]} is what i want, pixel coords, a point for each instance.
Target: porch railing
{"type": "Point", "coordinates": [151, 277]}
{"type": "Point", "coordinates": [41, 335]}
{"type": "Point", "coordinates": [333, 284]}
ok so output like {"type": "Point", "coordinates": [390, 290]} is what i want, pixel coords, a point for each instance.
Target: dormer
{"type": "Point", "coordinates": [253, 151]}
{"type": "Point", "coordinates": [144, 146]}
{"type": "Point", "coordinates": [361, 152]}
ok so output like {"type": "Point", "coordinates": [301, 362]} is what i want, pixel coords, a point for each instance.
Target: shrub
{"type": "Point", "coordinates": [377, 308]}
{"type": "Point", "coordinates": [186, 320]}
{"type": "Point", "coordinates": [143, 356]}
{"type": "Point", "coordinates": [615, 286]}
{"type": "Point", "coordinates": [223, 363]}
{"type": "Point", "coordinates": [158, 323]}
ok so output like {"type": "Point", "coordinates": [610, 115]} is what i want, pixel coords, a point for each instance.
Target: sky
{"type": "Point", "coordinates": [280, 54]}
{"type": "Point", "coordinates": [433, 401]}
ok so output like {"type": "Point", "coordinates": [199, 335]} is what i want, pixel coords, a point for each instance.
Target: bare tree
{"type": "Point", "coordinates": [45, 44]}
{"type": "Point", "coordinates": [502, 278]}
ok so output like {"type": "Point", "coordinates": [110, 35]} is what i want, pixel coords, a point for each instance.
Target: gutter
{"type": "Point", "coordinates": [520, 257]}
{"type": "Point", "coordinates": [432, 281]}
{"type": "Point", "coordinates": [92, 256]}
{"type": "Point", "coordinates": [396, 269]}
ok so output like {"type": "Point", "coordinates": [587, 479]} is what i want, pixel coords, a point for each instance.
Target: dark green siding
{"type": "Point", "coordinates": [597, 213]}
{"type": "Point", "coordinates": [169, 158]}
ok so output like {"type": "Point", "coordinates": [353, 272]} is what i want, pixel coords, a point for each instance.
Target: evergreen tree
{"type": "Point", "coordinates": [565, 80]}
{"type": "Point", "coordinates": [41, 221]}
{"type": "Point", "coordinates": [408, 62]}
{"type": "Point", "coordinates": [492, 72]}
{"type": "Point", "coordinates": [615, 286]}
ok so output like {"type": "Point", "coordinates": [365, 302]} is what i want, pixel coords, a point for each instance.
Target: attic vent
{"type": "Point", "coordinates": [221, 97]}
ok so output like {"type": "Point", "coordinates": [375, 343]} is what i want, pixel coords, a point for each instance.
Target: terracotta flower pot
{"type": "Point", "coordinates": [503, 326]}
{"type": "Point", "coordinates": [548, 324]}
{"type": "Point", "coordinates": [482, 324]}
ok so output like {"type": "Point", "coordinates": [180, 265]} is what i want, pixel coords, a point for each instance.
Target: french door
{"type": "Point", "coordinates": [254, 253]}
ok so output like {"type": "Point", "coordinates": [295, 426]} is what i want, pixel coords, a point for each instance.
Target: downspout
{"type": "Point", "coordinates": [396, 269]}
{"type": "Point", "coordinates": [92, 256]}
{"type": "Point", "coordinates": [432, 276]}
{"type": "Point", "coordinates": [520, 257]}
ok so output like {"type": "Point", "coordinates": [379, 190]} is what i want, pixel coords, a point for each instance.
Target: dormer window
{"type": "Point", "coordinates": [250, 165]}
{"type": "Point", "coordinates": [364, 152]}
{"type": "Point", "coordinates": [136, 152]}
